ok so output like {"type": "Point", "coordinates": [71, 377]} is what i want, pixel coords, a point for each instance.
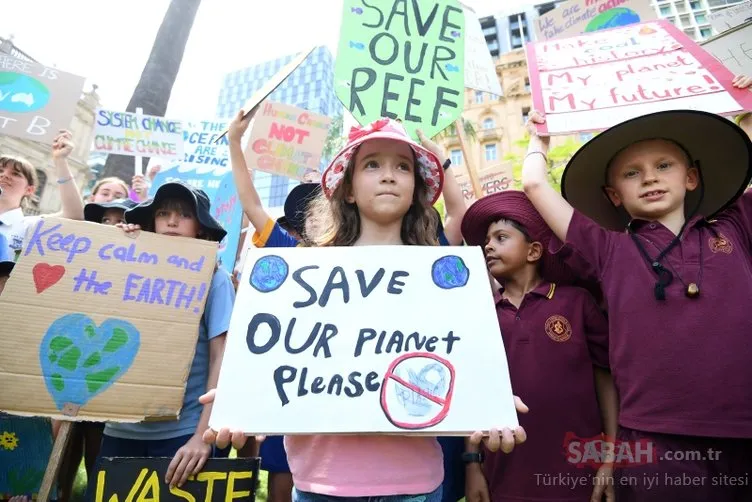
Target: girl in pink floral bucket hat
{"type": "Point", "coordinates": [378, 190]}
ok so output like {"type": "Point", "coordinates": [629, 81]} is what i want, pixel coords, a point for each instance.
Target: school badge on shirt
{"type": "Point", "coordinates": [558, 328]}
{"type": "Point", "coordinates": [720, 244]}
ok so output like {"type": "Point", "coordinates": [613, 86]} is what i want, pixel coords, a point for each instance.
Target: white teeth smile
{"type": "Point", "coordinates": [650, 194]}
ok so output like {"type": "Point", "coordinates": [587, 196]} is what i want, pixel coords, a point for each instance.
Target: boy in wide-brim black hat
{"type": "Point", "coordinates": [657, 206]}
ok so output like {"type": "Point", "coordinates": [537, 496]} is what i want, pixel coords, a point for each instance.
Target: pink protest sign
{"type": "Point", "coordinates": [286, 140]}
{"type": "Point", "coordinates": [592, 82]}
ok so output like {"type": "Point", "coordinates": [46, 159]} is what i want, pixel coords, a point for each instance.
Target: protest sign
{"type": "Point", "coordinates": [25, 447]}
{"type": "Point", "coordinates": [286, 140]}
{"type": "Point", "coordinates": [101, 326]}
{"type": "Point", "coordinates": [402, 60]}
{"type": "Point", "coordinates": [731, 17]}
{"type": "Point", "coordinates": [480, 69]}
{"type": "Point", "coordinates": [125, 479]}
{"type": "Point", "coordinates": [125, 133]}
{"type": "Point", "coordinates": [36, 101]}
{"type": "Point", "coordinates": [733, 48]}
{"type": "Point", "coordinates": [353, 340]}
{"type": "Point", "coordinates": [227, 210]}
{"type": "Point", "coordinates": [206, 165]}
{"type": "Point", "coordinates": [576, 17]}
{"type": "Point", "coordinates": [492, 180]}
{"type": "Point", "coordinates": [592, 82]}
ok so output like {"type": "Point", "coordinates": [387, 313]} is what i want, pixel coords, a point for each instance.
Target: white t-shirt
{"type": "Point", "coordinates": [13, 225]}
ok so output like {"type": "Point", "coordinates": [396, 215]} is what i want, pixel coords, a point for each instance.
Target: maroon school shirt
{"type": "Point", "coordinates": [681, 366]}
{"type": "Point", "coordinates": [551, 342]}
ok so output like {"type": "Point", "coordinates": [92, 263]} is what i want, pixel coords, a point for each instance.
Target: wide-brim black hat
{"type": "Point", "coordinates": [95, 212]}
{"type": "Point", "coordinates": [296, 205]}
{"type": "Point", "coordinates": [143, 214]}
{"type": "Point", "coordinates": [716, 145]}
{"type": "Point", "coordinates": [6, 267]}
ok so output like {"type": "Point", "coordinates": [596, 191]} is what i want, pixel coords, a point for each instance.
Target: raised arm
{"type": "Point", "coordinates": [454, 201]}
{"type": "Point", "coordinates": [554, 209]}
{"type": "Point", "coordinates": [249, 197]}
{"type": "Point", "coordinates": [72, 204]}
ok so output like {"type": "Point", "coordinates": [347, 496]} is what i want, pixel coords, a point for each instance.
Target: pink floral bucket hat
{"type": "Point", "coordinates": [428, 165]}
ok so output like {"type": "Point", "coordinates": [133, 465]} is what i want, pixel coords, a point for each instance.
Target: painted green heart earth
{"type": "Point", "coordinates": [80, 360]}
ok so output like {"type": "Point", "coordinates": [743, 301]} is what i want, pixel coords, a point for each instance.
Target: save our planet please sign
{"type": "Point", "coordinates": [364, 340]}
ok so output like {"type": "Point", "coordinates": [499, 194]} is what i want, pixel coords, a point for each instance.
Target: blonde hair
{"type": "Point", "coordinates": [111, 179]}
{"type": "Point", "coordinates": [23, 166]}
{"type": "Point", "coordinates": [336, 222]}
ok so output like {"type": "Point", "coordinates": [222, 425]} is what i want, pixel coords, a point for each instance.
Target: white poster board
{"type": "Point", "coordinates": [480, 69]}
{"type": "Point", "coordinates": [136, 135]}
{"type": "Point", "coordinates": [733, 48]}
{"type": "Point", "coordinates": [730, 17]}
{"type": "Point", "coordinates": [374, 339]}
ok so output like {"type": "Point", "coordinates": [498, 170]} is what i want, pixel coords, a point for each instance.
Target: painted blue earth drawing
{"type": "Point", "coordinates": [80, 360]}
{"type": "Point", "coordinates": [269, 273]}
{"type": "Point", "coordinates": [612, 18]}
{"type": "Point", "coordinates": [450, 272]}
{"type": "Point", "coordinates": [433, 379]}
{"type": "Point", "coordinates": [22, 93]}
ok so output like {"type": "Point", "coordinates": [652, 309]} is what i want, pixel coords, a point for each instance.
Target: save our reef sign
{"type": "Point", "coordinates": [353, 340]}
{"type": "Point", "coordinates": [403, 60]}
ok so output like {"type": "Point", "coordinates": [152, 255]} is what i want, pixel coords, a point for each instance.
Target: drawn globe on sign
{"type": "Point", "coordinates": [612, 18]}
{"type": "Point", "coordinates": [268, 273]}
{"type": "Point", "coordinates": [23, 93]}
{"type": "Point", "coordinates": [450, 272]}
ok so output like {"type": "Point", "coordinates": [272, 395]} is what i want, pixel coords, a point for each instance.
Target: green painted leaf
{"type": "Point", "coordinates": [93, 360]}
{"type": "Point", "coordinates": [60, 343]}
{"type": "Point", "coordinates": [57, 382]}
{"type": "Point", "coordinates": [69, 360]}
{"type": "Point", "coordinates": [118, 339]}
{"type": "Point", "coordinates": [95, 381]}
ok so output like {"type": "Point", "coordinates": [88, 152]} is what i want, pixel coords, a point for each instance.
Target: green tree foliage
{"type": "Point", "coordinates": [558, 157]}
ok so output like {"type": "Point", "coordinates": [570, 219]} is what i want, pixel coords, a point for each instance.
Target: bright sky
{"type": "Point", "coordinates": [108, 41]}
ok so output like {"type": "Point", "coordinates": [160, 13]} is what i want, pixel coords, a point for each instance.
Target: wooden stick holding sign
{"type": "Point", "coordinates": [270, 85]}
{"type": "Point", "coordinates": [472, 174]}
{"type": "Point", "coordinates": [56, 460]}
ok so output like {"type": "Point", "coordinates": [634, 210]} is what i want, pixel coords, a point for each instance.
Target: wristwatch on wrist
{"type": "Point", "coordinates": [472, 458]}
{"type": "Point", "coordinates": [447, 163]}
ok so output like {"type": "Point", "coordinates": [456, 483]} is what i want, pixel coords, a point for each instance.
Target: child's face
{"type": "Point", "coordinates": [176, 222]}
{"type": "Point", "coordinates": [507, 250]}
{"type": "Point", "coordinates": [650, 179]}
{"type": "Point", "coordinates": [383, 180]}
{"type": "Point", "coordinates": [113, 216]}
{"type": "Point", "coordinates": [109, 192]}
{"type": "Point", "coordinates": [15, 184]}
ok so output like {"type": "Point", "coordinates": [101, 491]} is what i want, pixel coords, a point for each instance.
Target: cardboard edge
{"type": "Point", "coordinates": [263, 92]}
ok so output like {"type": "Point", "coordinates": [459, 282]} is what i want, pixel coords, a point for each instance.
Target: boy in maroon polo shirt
{"type": "Point", "coordinates": [636, 204]}
{"type": "Point", "coordinates": [556, 343]}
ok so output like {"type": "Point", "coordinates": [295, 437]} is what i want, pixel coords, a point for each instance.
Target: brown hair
{"type": "Point", "coordinates": [111, 179]}
{"type": "Point", "coordinates": [23, 166]}
{"type": "Point", "coordinates": [336, 222]}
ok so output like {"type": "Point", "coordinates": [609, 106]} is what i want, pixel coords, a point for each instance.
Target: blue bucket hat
{"type": "Point", "coordinates": [95, 212]}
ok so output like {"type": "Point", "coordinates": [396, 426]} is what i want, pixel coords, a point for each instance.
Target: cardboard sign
{"type": "Point", "coordinates": [733, 48]}
{"type": "Point", "coordinates": [592, 82]}
{"type": "Point", "coordinates": [286, 140]}
{"type": "Point", "coordinates": [272, 84]}
{"type": "Point", "coordinates": [100, 326]}
{"type": "Point", "coordinates": [491, 181]}
{"type": "Point", "coordinates": [25, 447]}
{"type": "Point", "coordinates": [36, 101]}
{"type": "Point", "coordinates": [576, 17]}
{"type": "Point", "coordinates": [402, 60]}
{"type": "Point", "coordinates": [125, 479]}
{"type": "Point", "coordinates": [731, 17]}
{"type": "Point", "coordinates": [359, 340]}
{"type": "Point", "coordinates": [480, 69]}
{"type": "Point", "coordinates": [125, 133]}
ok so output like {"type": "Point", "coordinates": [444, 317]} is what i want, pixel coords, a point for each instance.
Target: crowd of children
{"type": "Point", "coordinates": [621, 303]}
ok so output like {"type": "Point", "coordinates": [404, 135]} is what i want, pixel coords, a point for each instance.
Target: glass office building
{"type": "Point", "coordinates": [311, 86]}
